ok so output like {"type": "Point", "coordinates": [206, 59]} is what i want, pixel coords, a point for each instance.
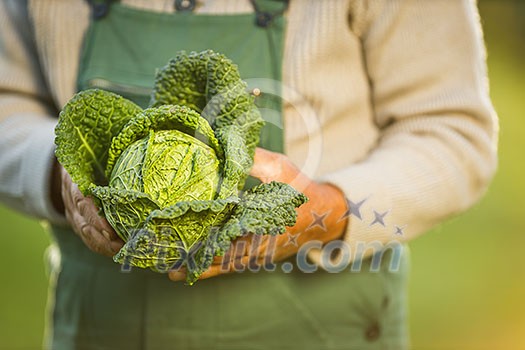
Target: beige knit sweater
{"type": "Point", "coordinates": [387, 99]}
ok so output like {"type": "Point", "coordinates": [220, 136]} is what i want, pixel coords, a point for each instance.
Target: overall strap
{"type": "Point", "coordinates": [263, 17]}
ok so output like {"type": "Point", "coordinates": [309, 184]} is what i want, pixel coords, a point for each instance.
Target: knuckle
{"type": "Point", "coordinates": [86, 209]}
{"type": "Point", "coordinates": [99, 248]}
{"type": "Point", "coordinates": [77, 198]}
{"type": "Point", "coordinates": [89, 236]}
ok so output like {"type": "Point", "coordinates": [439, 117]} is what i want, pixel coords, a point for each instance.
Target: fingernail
{"type": "Point", "coordinates": [116, 246]}
{"type": "Point", "coordinates": [177, 275]}
{"type": "Point", "coordinates": [106, 235]}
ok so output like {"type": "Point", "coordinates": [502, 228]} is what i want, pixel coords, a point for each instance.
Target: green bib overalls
{"type": "Point", "coordinates": [97, 306]}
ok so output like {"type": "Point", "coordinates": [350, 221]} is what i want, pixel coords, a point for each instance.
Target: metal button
{"type": "Point", "coordinates": [263, 19]}
{"type": "Point", "coordinates": [373, 332]}
{"type": "Point", "coordinates": [184, 5]}
{"type": "Point", "coordinates": [100, 10]}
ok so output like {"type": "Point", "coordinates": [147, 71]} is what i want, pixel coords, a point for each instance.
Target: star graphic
{"type": "Point", "coordinates": [318, 220]}
{"type": "Point", "coordinates": [399, 230]}
{"type": "Point", "coordinates": [292, 239]}
{"type": "Point", "coordinates": [353, 209]}
{"type": "Point", "coordinates": [379, 218]}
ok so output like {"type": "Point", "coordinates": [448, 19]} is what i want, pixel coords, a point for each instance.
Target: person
{"type": "Point", "coordinates": [387, 127]}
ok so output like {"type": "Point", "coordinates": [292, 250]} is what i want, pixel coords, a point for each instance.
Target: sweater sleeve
{"type": "Point", "coordinates": [437, 151]}
{"type": "Point", "coordinates": [26, 119]}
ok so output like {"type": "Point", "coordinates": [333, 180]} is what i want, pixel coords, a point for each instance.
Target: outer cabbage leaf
{"type": "Point", "coordinates": [235, 106]}
{"type": "Point", "coordinates": [210, 83]}
{"type": "Point", "coordinates": [264, 210]}
{"type": "Point", "coordinates": [184, 81]}
{"type": "Point", "coordinates": [237, 162]}
{"type": "Point", "coordinates": [125, 210]}
{"type": "Point", "coordinates": [86, 125]}
{"type": "Point", "coordinates": [176, 236]}
{"type": "Point", "coordinates": [166, 117]}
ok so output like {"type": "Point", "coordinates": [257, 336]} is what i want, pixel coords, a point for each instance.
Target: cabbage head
{"type": "Point", "coordinates": [169, 178]}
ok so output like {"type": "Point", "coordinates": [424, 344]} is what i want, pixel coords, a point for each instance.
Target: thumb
{"type": "Point", "coordinates": [270, 166]}
{"type": "Point", "coordinates": [267, 165]}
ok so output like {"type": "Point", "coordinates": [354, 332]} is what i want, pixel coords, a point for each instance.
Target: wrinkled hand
{"type": "Point", "coordinates": [318, 219]}
{"type": "Point", "coordinates": [83, 216]}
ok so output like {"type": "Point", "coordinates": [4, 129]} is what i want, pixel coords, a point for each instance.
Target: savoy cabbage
{"type": "Point", "coordinates": [169, 178]}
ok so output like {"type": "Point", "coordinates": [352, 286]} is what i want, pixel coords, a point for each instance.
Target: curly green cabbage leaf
{"type": "Point", "coordinates": [169, 177]}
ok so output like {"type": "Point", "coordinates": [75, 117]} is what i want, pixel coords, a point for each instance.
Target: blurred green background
{"type": "Point", "coordinates": [468, 276]}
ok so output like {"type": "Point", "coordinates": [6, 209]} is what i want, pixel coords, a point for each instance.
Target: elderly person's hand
{"type": "Point", "coordinates": [83, 216]}
{"type": "Point", "coordinates": [321, 218]}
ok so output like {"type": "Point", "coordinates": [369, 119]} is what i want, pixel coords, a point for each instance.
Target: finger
{"type": "Point", "coordinates": [219, 260]}
{"type": "Point", "coordinates": [177, 275]}
{"type": "Point", "coordinates": [213, 271]}
{"type": "Point", "coordinates": [242, 264]}
{"type": "Point", "coordinates": [249, 244]}
{"type": "Point", "coordinates": [225, 264]}
{"type": "Point", "coordinates": [89, 211]}
{"type": "Point", "coordinates": [79, 223]}
{"type": "Point", "coordinates": [115, 245]}
{"type": "Point", "coordinates": [92, 237]}
{"type": "Point", "coordinates": [97, 242]}
{"type": "Point", "coordinates": [66, 195]}
{"type": "Point", "coordinates": [236, 249]}
{"type": "Point", "coordinates": [85, 205]}
{"type": "Point", "coordinates": [76, 195]}
{"type": "Point", "coordinates": [65, 178]}
{"type": "Point", "coordinates": [68, 189]}
{"type": "Point", "coordinates": [83, 216]}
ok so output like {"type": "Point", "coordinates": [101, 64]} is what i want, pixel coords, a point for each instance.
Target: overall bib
{"type": "Point", "coordinates": [97, 306]}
